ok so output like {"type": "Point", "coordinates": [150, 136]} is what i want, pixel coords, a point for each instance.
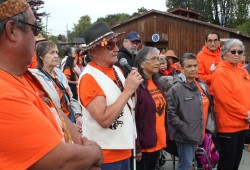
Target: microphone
{"type": "Point", "coordinates": [124, 63]}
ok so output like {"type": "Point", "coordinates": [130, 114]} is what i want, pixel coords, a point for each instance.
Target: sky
{"type": "Point", "coordinates": [63, 14]}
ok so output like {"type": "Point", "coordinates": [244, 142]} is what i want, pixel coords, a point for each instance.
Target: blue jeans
{"type": "Point", "coordinates": [186, 155]}
{"type": "Point", "coordinates": [120, 165]}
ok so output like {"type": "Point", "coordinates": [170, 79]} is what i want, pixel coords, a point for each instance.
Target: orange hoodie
{"type": "Point", "coordinates": [205, 59]}
{"type": "Point", "coordinates": [231, 86]}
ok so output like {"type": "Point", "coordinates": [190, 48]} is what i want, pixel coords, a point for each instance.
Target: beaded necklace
{"type": "Point", "coordinates": [119, 83]}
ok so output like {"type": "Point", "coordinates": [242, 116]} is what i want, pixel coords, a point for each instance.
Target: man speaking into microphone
{"type": "Point", "coordinates": [105, 96]}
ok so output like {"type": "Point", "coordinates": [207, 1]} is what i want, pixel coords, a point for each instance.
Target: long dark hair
{"type": "Point", "coordinates": [70, 65]}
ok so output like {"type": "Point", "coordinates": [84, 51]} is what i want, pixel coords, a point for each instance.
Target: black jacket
{"type": "Point", "coordinates": [247, 67]}
{"type": "Point", "coordinates": [124, 53]}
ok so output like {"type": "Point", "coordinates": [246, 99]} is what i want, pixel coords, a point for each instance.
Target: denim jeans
{"type": "Point", "coordinates": [186, 155]}
{"type": "Point", "coordinates": [120, 165]}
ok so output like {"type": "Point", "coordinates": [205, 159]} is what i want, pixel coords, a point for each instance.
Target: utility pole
{"type": "Point", "coordinates": [47, 15]}
{"type": "Point", "coordinates": [67, 33]}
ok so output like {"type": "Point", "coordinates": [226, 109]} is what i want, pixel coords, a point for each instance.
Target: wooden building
{"type": "Point", "coordinates": [179, 33]}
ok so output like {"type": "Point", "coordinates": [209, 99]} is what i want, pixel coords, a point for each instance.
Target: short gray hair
{"type": "Point", "coordinates": [142, 56]}
{"type": "Point", "coordinates": [229, 44]}
{"type": "Point", "coordinates": [20, 17]}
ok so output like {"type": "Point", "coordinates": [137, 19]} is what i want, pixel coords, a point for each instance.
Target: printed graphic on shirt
{"type": "Point", "coordinates": [116, 122]}
{"type": "Point", "coordinates": [159, 100]}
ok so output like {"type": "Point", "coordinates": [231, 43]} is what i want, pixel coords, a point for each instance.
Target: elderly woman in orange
{"type": "Point", "coordinates": [55, 82]}
{"type": "Point", "coordinates": [150, 110]}
{"type": "Point", "coordinates": [231, 86]}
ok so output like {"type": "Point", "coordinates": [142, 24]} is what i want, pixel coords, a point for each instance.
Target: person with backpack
{"type": "Point", "coordinates": [189, 111]}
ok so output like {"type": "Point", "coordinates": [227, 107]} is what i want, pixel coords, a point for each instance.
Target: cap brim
{"type": "Point", "coordinates": [136, 39]}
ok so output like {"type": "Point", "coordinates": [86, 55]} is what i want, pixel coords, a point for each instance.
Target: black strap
{"type": "Point", "coordinates": [60, 85]}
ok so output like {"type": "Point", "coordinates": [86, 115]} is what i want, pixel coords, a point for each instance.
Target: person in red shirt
{"type": "Point", "coordinates": [209, 58]}
{"type": "Point", "coordinates": [231, 85]}
{"type": "Point", "coordinates": [34, 133]}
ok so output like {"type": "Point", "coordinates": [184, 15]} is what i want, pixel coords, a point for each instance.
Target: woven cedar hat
{"type": "Point", "coordinates": [97, 34]}
{"type": "Point", "coordinates": [40, 38]}
{"type": "Point", "coordinates": [10, 8]}
{"type": "Point", "coordinates": [170, 53]}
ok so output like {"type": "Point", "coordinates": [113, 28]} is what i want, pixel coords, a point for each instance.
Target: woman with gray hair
{"type": "Point", "coordinates": [231, 85]}
{"type": "Point", "coordinates": [55, 82]}
{"type": "Point", "coordinates": [150, 110]}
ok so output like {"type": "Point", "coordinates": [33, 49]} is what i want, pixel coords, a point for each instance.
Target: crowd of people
{"type": "Point", "coordinates": [92, 111]}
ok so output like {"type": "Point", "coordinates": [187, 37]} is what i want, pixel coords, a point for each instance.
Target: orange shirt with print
{"type": "Point", "coordinates": [88, 90]}
{"type": "Point", "coordinates": [205, 107]}
{"type": "Point", "coordinates": [27, 127]}
{"type": "Point", "coordinates": [160, 118]}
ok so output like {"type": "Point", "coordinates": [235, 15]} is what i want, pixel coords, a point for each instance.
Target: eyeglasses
{"type": "Point", "coordinates": [239, 52]}
{"type": "Point", "coordinates": [135, 42]}
{"type": "Point", "coordinates": [111, 45]}
{"type": "Point", "coordinates": [154, 59]}
{"type": "Point", "coordinates": [212, 41]}
{"type": "Point", "coordinates": [36, 29]}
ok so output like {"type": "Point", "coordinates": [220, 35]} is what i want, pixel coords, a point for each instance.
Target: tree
{"type": "Point", "coordinates": [245, 28]}
{"type": "Point", "coordinates": [80, 27]}
{"type": "Point", "coordinates": [36, 5]}
{"type": "Point", "coordinates": [112, 19]}
{"type": "Point", "coordinates": [225, 12]}
{"type": "Point", "coordinates": [140, 11]}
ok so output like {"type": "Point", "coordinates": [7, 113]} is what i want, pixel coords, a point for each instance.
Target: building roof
{"type": "Point", "coordinates": [153, 11]}
{"type": "Point", "coordinates": [184, 10]}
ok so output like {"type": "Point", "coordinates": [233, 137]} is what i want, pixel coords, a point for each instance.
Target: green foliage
{"type": "Point", "coordinates": [140, 11]}
{"type": "Point", "coordinates": [225, 12]}
{"type": "Point", "coordinates": [245, 28]}
{"type": "Point", "coordinates": [112, 19]}
{"type": "Point", "coordinates": [79, 28]}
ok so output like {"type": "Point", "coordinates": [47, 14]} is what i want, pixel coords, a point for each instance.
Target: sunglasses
{"type": "Point", "coordinates": [36, 29]}
{"type": "Point", "coordinates": [239, 52]}
{"type": "Point", "coordinates": [111, 45]}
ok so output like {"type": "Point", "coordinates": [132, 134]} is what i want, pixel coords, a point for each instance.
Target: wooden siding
{"type": "Point", "coordinates": [175, 33]}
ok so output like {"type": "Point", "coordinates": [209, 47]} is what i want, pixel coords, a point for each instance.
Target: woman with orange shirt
{"type": "Point", "coordinates": [231, 86]}
{"type": "Point", "coordinates": [71, 75]}
{"type": "Point", "coordinates": [54, 81]}
{"type": "Point", "coordinates": [150, 110]}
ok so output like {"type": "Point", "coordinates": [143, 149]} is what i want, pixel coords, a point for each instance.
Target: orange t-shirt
{"type": "Point", "coordinates": [27, 127]}
{"type": "Point", "coordinates": [205, 107]}
{"type": "Point", "coordinates": [177, 66]}
{"type": "Point", "coordinates": [160, 104]}
{"type": "Point", "coordinates": [68, 74]}
{"type": "Point", "coordinates": [88, 90]}
{"type": "Point", "coordinates": [34, 62]}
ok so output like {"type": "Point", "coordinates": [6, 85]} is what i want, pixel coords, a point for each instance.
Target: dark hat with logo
{"type": "Point", "coordinates": [133, 36]}
{"type": "Point", "coordinates": [98, 34]}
